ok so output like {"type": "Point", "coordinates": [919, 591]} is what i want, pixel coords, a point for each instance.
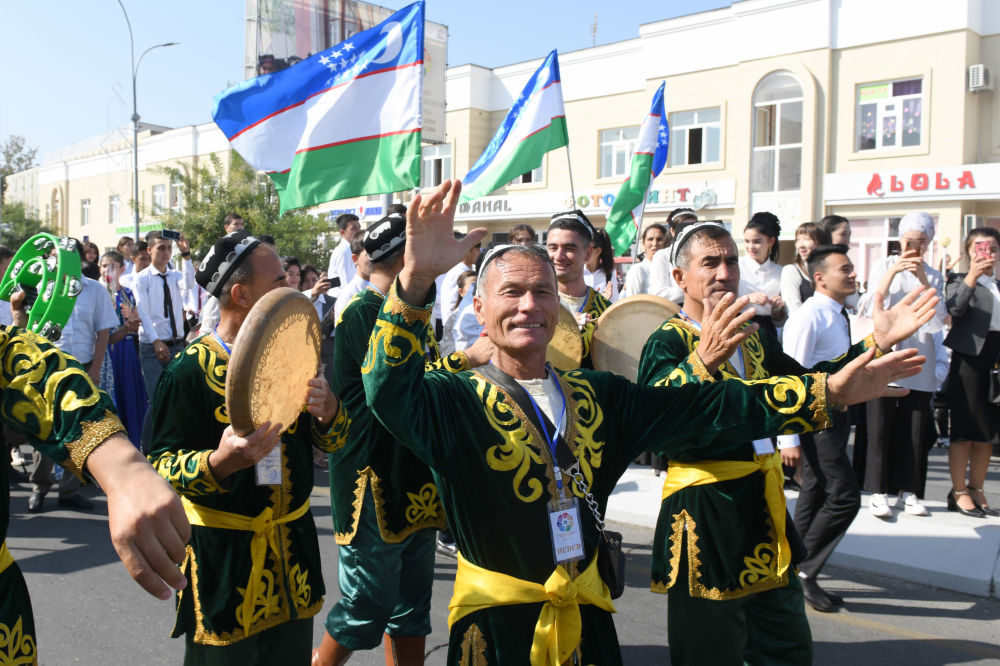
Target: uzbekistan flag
{"type": "Point", "coordinates": [535, 125]}
{"type": "Point", "coordinates": [648, 160]}
{"type": "Point", "coordinates": [342, 123]}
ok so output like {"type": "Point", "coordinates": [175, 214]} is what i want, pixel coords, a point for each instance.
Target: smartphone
{"type": "Point", "coordinates": [334, 282]}
{"type": "Point", "coordinates": [171, 234]}
{"type": "Point", "coordinates": [913, 246]}
{"type": "Point", "coordinates": [982, 249]}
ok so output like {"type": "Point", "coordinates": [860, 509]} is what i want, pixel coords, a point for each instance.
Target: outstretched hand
{"type": "Point", "coordinates": [431, 246]}
{"type": "Point", "coordinates": [722, 329]}
{"type": "Point", "coordinates": [865, 379]}
{"type": "Point", "coordinates": [903, 319]}
{"type": "Point", "coordinates": [147, 522]}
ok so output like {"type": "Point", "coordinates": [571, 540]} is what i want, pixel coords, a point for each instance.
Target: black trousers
{"type": "Point", "coordinates": [830, 497]}
{"type": "Point", "coordinates": [900, 435]}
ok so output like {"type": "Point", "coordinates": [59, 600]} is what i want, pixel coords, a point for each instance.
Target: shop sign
{"type": "Point", "coordinates": [697, 195]}
{"type": "Point", "coordinates": [360, 211]}
{"type": "Point", "coordinates": [971, 181]}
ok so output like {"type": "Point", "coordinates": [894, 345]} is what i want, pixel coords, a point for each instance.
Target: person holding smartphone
{"type": "Point", "coordinates": [901, 429]}
{"type": "Point", "coordinates": [973, 300]}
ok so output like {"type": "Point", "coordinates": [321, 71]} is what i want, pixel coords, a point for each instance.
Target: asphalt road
{"type": "Point", "coordinates": [88, 611]}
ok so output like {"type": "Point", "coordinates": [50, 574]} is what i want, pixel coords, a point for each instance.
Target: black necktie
{"type": "Point", "coordinates": [847, 322]}
{"type": "Point", "coordinates": [168, 308]}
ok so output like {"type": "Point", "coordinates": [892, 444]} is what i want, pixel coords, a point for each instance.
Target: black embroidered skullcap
{"type": "Point", "coordinates": [228, 252]}
{"type": "Point", "coordinates": [573, 219]}
{"type": "Point", "coordinates": [383, 237]}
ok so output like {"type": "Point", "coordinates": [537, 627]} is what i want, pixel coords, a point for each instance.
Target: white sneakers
{"type": "Point", "coordinates": [913, 506]}
{"type": "Point", "coordinates": [881, 506]}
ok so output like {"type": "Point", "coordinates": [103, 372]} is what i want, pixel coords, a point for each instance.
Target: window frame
{"type": "Point", "coordinates": [84, 212]}
{"type": "Point", "coordinates": [159, 199]}
{"type": "Point", "coordinates": [898, 115]}
{"type": "Point", "coordinates": [777, 146]}
{"type": "Point", "coordinates": [114, 209]}
{"type": "Point", "coordinates": [629, 145]}
{"type": "Point", "coordinates": [704, 126]}
{"type": "Point", "coordinates": [441, 164]}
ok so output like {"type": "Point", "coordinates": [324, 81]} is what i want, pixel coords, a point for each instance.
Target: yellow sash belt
{"type": "Point", "coordinates": [683, 475]}
{"type": "Point", "coordinates": [6, 559]}
{"type": "Point", "coordinates": [557, 632]}
{"type": "Point", "coordinates": [264, 528]}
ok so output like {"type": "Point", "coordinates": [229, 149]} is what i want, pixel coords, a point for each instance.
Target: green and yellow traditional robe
{"type": "Point", "coordinates": [406, 499]}
{"type": "Point", "coordinates": [189, 415]}
{"type": "Point", "coordinates": [495, 473]}
{"type": "Point", "coordinates": [595, 305]}
{"type": "Point", "coordinates": [48, 397]}
{"type": "Point", "coordinates": [730, 535]}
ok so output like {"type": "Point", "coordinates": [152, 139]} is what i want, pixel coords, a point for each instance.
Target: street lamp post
{"type": "Point", "coordinates": [135, 117]}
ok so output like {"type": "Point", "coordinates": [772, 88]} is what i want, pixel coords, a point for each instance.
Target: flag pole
{"type": "Point", "coordinates": [569, 165]}
{"type": "Point", "coordinates": [638, 228]}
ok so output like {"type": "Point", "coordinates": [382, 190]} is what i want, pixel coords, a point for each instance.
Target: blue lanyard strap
{"type": "Point", "coordinates": [552, 439]}
{"type": "Point", "coordinates": [586, 297]}
{"type": "Point", "coordinates": [215, 332]}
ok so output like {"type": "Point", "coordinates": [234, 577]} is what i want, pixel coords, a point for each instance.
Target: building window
{"type": "Point", "coordinates": [889, 114]}
{"type": "Point", "coordinates": [159, 199]}
{"type": "Point", "coordinates": [435, 165]}
{"type": "Point", "coordinates": [533, 176]}
{"type": "Point", "coordinates": [84, 212]}
{"type": "Point", "coordinates": [617, 146]}
{"type": "Point", "coordinates": [695, 136]}
{"type": "Point", "coordinates": [176, 195]}
{"type": "Point", "coordinates": [114, 209]}
{"type": "Point", "coordinates": [776, 163]}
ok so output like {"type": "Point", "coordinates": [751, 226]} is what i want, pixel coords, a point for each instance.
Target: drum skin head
{"type": "Point", "coordinates": [565, 350]}
{"type": "Point", "coordinates": [274, 355]}
{"type": "Point", "coordinates": [623, 329]}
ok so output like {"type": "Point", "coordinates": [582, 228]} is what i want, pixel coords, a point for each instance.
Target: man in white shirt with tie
{"type": "Point", "coordinates": [160, 307]}
{"type": "Point", "coordinates": [341, 266]}
{"type": "Point", "coordinates": [817, 331]}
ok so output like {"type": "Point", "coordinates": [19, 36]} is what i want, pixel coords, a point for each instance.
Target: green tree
{"type": "Point", "coordinates": [210, 194]}
{"type": "Point", "coordinates": [15, 156]}
{"type": "Point", "coordinates": [18, 226]}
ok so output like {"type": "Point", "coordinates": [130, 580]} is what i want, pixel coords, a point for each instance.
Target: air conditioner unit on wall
{"type": "Point", "coordinates": [979, 78]}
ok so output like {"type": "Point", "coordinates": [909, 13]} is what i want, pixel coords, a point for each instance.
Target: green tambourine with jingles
{"type": "Point", "coordinates": [48, 269]}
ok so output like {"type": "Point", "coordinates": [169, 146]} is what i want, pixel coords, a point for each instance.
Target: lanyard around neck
{"type": "Point", "coordinates": [215, 332]}
{"type": "Point", "coordinates": [552, 439]}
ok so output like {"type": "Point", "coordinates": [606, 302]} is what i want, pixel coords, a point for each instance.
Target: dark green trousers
{"type": "Point", "coordinates": [764, 629]}
{"type": "Point", "coordinates": [288, 644]}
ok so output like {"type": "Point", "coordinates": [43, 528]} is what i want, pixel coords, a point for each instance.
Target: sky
{"type": "Point", "coordinates": [68, 71]}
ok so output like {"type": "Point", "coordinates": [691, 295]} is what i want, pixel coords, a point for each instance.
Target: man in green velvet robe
{"type": "Point", "coordinates": [723, 509]}
{"type": "Point", "coordinates": [385, 506]}
{"type": "Point", "coordinates": [253, 563]}
{"type": "Point", "coordinates": [48, 397]}
{"type": "Point", "coordinates": [496, 470]}
{"type": "Point", "coordinates": [568, 245]}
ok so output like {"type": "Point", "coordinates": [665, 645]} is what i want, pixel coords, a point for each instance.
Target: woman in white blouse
{"type": "Point", "coordinates": [796, 283]}
{"type": "Point", "coordinates": [760, 275]}
{"type": "Point", "coordinates": [601, 266]}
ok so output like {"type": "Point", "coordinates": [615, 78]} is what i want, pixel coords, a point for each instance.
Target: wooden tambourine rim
{"type": "Point", "coordinates": [604, 341]}
{"type": "Point", "coordinates": [571, 332]}
{"type": "Point", "coordinates": [260, 327]}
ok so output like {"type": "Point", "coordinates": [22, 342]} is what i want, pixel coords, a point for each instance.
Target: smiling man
{"type": "Point", "coordinates": [515, 447]}
{"type": "Point", "coordinates": [569, 248]}
{"type": "Point", "coordinates": [723, 549]}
